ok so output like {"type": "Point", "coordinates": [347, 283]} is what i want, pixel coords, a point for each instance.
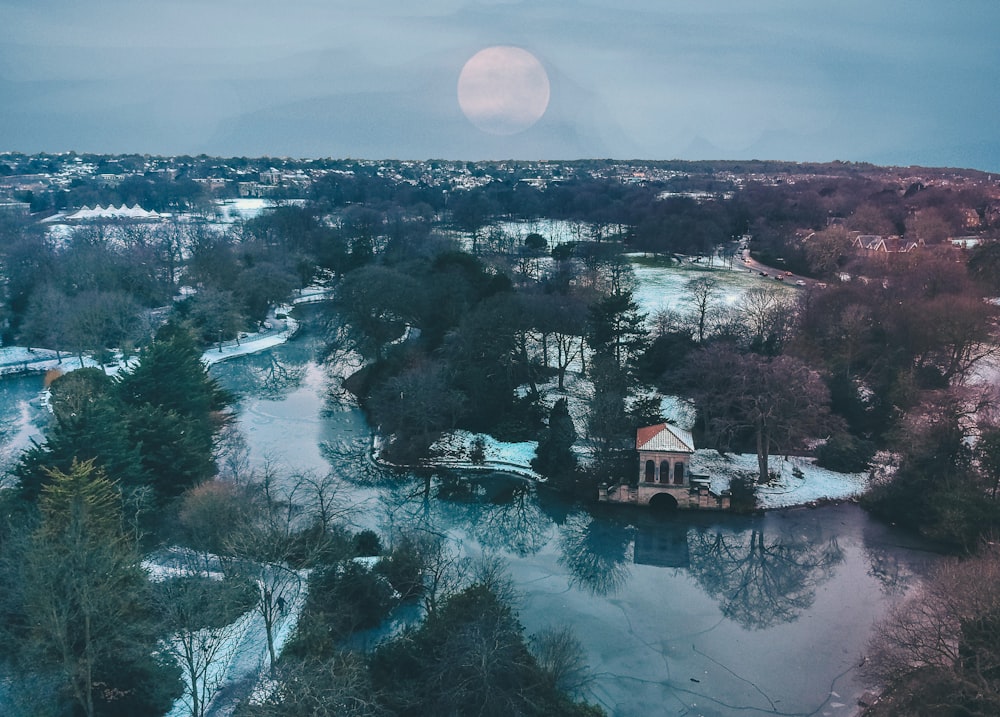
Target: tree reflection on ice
{"type": "Point", "coordinates": [500, 511]}
{"type": "Point", "coordinates": [761, 582]}
{"type": "Point", "coordinates": [597, 553]}
{"type": "Point", "coordinates": [272, 378]}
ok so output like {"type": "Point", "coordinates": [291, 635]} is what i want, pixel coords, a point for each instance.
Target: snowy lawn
{"type": "Point", "coordinates": [789, 489]}
{"type": "Point", "coordinates": [661, 287]}
{"type": "Point", "coordinates": [14, 359]}
{"type": "Point", "coordinates": [455, 449]}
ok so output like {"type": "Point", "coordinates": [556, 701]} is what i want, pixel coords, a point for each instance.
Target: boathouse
{"type": "Point", "coordinates": [665, 478]}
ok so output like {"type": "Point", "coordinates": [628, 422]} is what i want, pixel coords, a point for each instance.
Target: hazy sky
{"type": "Point", "coordinates": [887, 81]}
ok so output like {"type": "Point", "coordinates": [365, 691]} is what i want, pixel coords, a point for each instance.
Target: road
{"type": "Point", "coordinates": [787, 277]}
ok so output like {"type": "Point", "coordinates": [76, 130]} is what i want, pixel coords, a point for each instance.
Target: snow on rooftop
{"type": "Point", "coordinates": [85, 213]}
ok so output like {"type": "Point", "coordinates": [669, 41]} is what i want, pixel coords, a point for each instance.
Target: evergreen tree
{"type": "Point", "coordinates": [154, 427]}
{"type": "Point", "coordinates": [88, 425]}
{"type": "Point", "coordinates": [554, 457]}
{"type": "Point", "coordinates": [616, 328]}
{"type": "Point", "coordinates": [84, 601]}
{"type": "Point", "coordinates": [468, 657]}
{"type": "Point", "coordinates": [174, 412]}
{"type": "Point", "coordinates": [171, 376]}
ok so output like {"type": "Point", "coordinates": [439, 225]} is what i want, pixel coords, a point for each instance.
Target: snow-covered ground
{"type": "Point", "coordinates": [799, 481]}
{"type": "Point", "coordinates": [555, 231]}
{"type": "Point", "coordinates": [241, 656]}
{"type": "Point", "coordinates": [455, 449]}
{"type": "Point", "coordinates": [230, 211]}
{"type": "Point", "coordinates": [254, 343]}
{"type": "Point", "coordinates": [17, 359]}
{"type": "Point", "coordinates": [662, 288]}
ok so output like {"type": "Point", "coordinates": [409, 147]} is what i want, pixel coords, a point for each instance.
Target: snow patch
{"type": "Point", "coordinates": [789, 489]}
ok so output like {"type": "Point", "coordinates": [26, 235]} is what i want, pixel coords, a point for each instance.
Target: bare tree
{"type": "Point", "coordinates": [205, 618]}
{"type": "Point", "coordinates": [268, 549]}
{"type": "Point", "coordinates": [780, 400]}
{"type": "Point", "coordinates": [702, 294]}
{"type": "Point", "coordinates": [767, 316]}
{"type": "Point", "coordinates": [563, 659]}
{"type": "Point", "coordinates": [940, 649]}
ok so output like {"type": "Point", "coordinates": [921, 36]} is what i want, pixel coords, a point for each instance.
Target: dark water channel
{"type": "Point", "coordinates": [680, 615]}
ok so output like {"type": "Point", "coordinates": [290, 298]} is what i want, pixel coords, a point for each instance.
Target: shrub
{"type": "Point", "coordinates": [845, 453]}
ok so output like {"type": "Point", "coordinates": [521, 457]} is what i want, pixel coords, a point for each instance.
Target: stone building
{"type": "Point", "coordinates": [665, 478]}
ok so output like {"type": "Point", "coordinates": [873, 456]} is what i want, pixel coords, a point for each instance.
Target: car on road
{"type": "Point", "coordinates": [800, 283]}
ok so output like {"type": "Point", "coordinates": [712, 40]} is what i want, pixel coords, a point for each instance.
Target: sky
{"type": "Point", "coordinates": [896, 82]}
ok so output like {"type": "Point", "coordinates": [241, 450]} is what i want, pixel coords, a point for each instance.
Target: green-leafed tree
{"type": "Point", "coordinates": [468, 657]}
{"type": "Point", "coordinates": [938, 489]}
{"type": "Point", "coordinates": [84, 601]}
{"type": "Point", "coordinates": [153, 428]}
{"type": "Point", "coordinates": [170, 375]}
{"type": "Point", "coordinates": [616, 329]}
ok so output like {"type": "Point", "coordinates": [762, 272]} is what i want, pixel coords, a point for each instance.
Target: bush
{"type": "Point", "coordinates": [403, 568]}
{"type": "Point", "coordinates": [367, 543]}
{"type": "Point", "coordinates": [845, 453]}
{"type": "Point", "coordinates": [342, 600]}
{"type": "Point", "coordinates": [743, 492]}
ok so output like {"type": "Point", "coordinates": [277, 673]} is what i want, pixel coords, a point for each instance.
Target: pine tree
{"type": "Point", "coordinates": [88, 425]}
{"type": "Point", "coordinates": [171, 376]}
{"type": "Point", "coordinates": [617, 329]}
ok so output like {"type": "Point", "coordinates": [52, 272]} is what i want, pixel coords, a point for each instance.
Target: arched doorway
{"type": "Point", "coordinates": [663, 502]}
{"type": "Point", "coordinates": [650, 475]}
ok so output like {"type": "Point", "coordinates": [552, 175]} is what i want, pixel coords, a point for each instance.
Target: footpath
{"type": "Point", "coordinates": [19, 360]}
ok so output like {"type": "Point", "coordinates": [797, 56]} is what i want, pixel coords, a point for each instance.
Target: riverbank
{"type": "Point", "coordinates": [798, 483]}
{"type": "Point", "coordinates": [21, 360]}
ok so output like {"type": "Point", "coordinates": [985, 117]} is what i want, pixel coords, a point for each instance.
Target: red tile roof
{"type": "Point", "coordinates": [664, 437]}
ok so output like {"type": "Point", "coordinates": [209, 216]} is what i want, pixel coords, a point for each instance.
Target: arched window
{"type": "Point", "coordinates": [650, 471]}
{"type": "Point", "coordinates": [679, 473]}
{"type": "Point", "coordinates": [665, 472]}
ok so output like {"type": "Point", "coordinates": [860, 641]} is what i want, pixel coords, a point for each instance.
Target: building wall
{"type": "Point", "coordinates": [661, 457]}
{"type": "Point", "coordinates": [697, 497]}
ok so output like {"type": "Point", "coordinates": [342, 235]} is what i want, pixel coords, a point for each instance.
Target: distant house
{"type": "Point", "coordinates": [875, 244]}
{"type": "Point", "coordinates": [665, 477]}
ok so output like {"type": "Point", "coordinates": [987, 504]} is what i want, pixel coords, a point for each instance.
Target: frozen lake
{"type": "Point", "coordinates": [680, 615]}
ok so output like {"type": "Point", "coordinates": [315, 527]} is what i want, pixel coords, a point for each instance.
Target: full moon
{"type": "Point", "coordinates": [503, 90]}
